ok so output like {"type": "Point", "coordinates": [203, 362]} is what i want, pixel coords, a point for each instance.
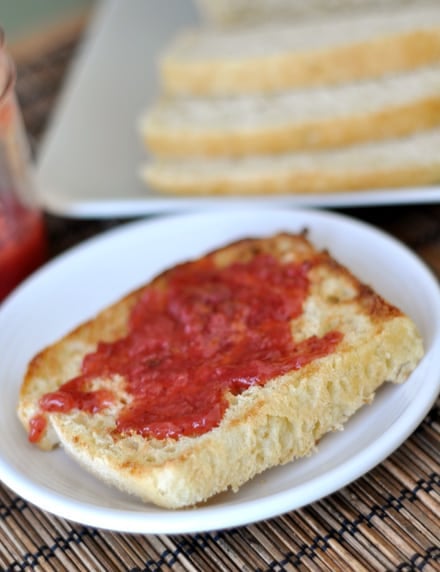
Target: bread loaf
{"type": "Point", "coordinates": [252, 308]}
{"type": "Point", "coordinates": [301, 119]}
{"type": "Point", "coordinates": [392, 163]}
{"type": "Point", "coordinates": [274, 57]}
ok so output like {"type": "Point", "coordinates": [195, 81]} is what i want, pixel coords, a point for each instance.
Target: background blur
{"type": "Point", "coordinates": [20, 19]}
{"type": "Point", "coordinates": [33, 26]}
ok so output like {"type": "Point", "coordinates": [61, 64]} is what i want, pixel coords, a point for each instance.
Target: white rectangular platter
{"type": "Point", "coordinates": [89, 160]}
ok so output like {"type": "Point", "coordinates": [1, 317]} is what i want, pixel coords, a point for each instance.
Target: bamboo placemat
{"type": "Point", "coordinates": [386, 520]}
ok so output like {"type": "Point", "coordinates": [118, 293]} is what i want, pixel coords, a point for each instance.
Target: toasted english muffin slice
{"type": "Point", "coordinates": [288, 340]}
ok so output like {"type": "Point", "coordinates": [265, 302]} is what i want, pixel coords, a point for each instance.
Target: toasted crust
{"type": "Point", "coordinates": [61, 361]}
{"type": "Point", "coordinates": [263, 426]}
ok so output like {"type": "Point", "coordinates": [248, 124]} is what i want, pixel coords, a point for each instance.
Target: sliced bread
{"type": "Point", "coordinates": [298, 119]}
{"type": "Point", "coordinates": [341, 342]}
{"type": "Point", "coordinates": [274, 57]}
{"type": "Point", "coordinates": [403, 162]}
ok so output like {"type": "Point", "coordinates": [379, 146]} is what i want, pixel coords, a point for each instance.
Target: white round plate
{"type": "Point", "coordinates": [79, 283]}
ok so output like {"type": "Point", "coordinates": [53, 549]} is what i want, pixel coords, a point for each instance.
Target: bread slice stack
{"type": "Point", "coordinates": [322, 101]}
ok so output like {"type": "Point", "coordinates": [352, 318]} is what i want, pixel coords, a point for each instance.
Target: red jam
{"type": "Point", "coordinates": [209, 332]}
{"type": "Point", "coordinates": [22, 244]}
{"type": "Point", "coordinates": [37, 427]}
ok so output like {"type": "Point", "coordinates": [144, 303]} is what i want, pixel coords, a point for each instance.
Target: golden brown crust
{"type": "Point", "coordinates": [61, 361]}
{"type": "Point", "coordinates": [99, 328]}
{"type": "Point", "coordinates": [369, 59]}
{"type": "Point", "coordinates": [396, 121]}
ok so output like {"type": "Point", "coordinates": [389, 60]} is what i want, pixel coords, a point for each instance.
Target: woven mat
{"type": "Point", "coordinates": [387, 520]}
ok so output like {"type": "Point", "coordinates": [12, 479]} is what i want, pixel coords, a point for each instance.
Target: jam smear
{"type": "Point", "coordinates": [37, 427]}
{"type": "Point", "coordinates": [209, 332]}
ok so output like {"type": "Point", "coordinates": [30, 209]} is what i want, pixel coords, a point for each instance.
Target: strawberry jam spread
{"type": "Point", "coordinates": [209, 332]}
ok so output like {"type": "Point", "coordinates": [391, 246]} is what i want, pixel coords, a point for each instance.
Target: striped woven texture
{"type": "Point", "coordinates": [387, 520]}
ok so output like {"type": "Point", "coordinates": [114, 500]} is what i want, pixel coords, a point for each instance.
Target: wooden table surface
{"type": "Point", "coordinates": [386, 520]}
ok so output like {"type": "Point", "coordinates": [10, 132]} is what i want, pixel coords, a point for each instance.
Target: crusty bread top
{"type": "Point", "coordinates": [262, 426]}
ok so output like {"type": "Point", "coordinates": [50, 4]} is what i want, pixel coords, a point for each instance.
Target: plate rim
{"type": "Point", "coordinates": [154, 204]}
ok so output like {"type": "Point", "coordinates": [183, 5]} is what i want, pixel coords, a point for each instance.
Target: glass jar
{"type": "Point", "coordinates": [22, 233]}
